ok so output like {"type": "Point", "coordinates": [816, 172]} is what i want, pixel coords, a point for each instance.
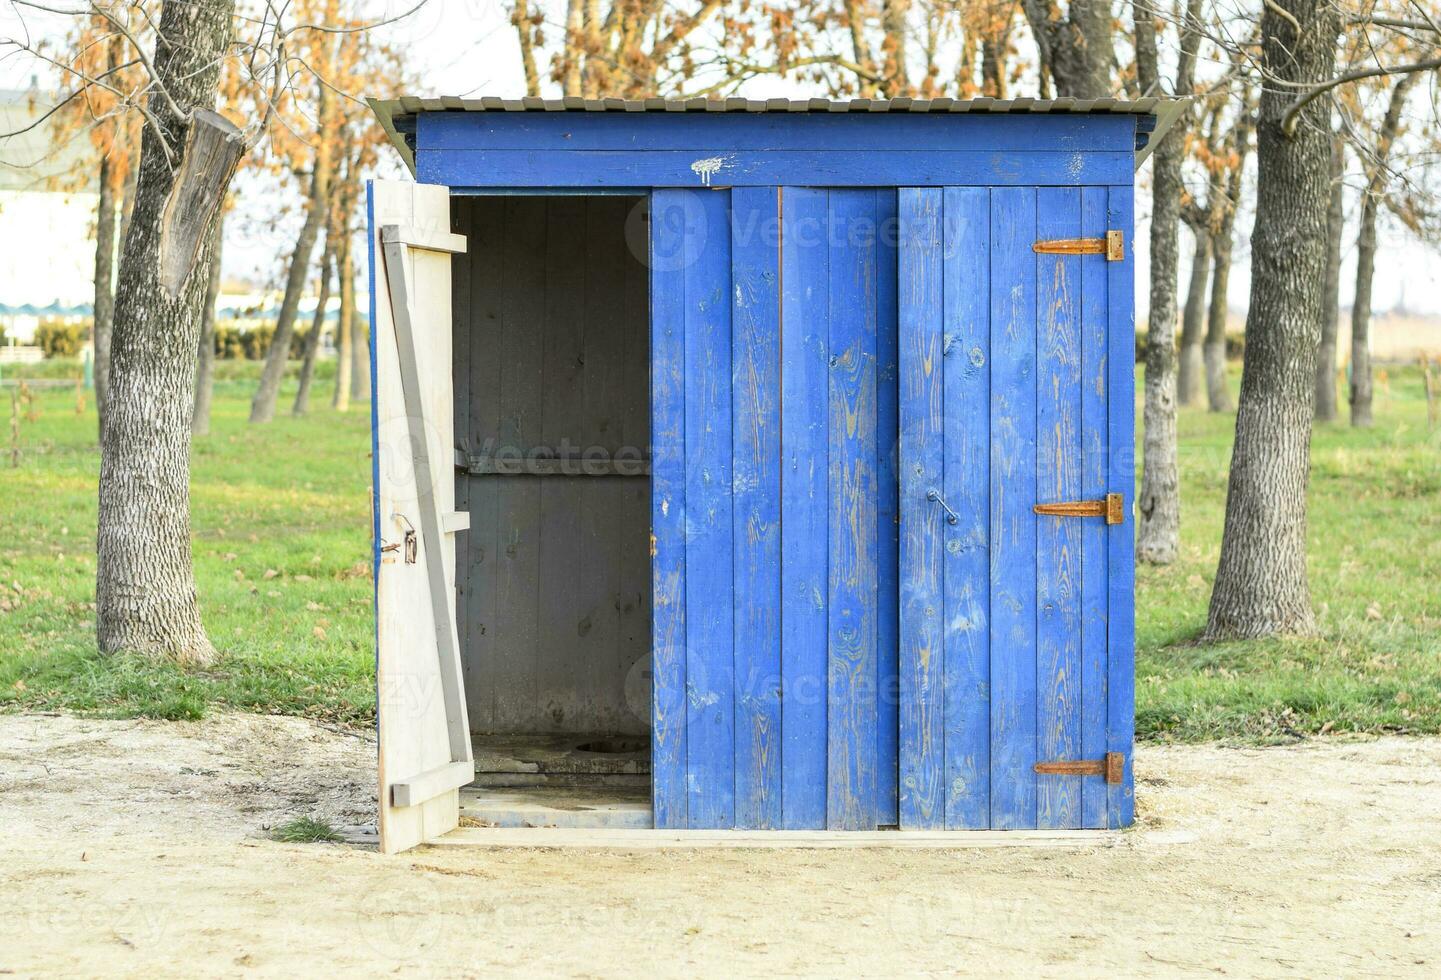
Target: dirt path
{"type": "Point", "coordinates": [137, 848]}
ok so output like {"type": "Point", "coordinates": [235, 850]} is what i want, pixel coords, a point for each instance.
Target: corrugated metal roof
{"type": "Point", "coordinates": [394, 114]}
{"type": "Point", "coordinates": [407, 105]}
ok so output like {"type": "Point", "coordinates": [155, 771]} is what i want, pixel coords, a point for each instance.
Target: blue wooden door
{"type": "Point", "coordinates": [1015, 627]}
{"type": "Point", "coordinates": [774, 495]}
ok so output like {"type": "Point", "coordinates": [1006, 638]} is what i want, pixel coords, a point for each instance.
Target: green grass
{"type": "Point", "coordinates": [282, 549]}
{"type": "Point", "coordinates": [281, 542]}
{"type": "Point", "coordinates": [1374, 535]}
{"type": "Point", "coordinates": [304, 830]}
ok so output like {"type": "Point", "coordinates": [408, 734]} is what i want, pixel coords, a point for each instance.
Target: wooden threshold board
{"type": "Point", "coordinates": [646, 840]}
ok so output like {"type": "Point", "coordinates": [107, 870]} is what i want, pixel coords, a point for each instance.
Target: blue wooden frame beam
{"type": "Point", "coordinates": [709, 134]}
{"type": "Point", "coordinates": [878, 167]}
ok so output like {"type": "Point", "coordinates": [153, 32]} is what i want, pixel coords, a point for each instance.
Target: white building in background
{"type": "Point", "coordinates": [47, 235]}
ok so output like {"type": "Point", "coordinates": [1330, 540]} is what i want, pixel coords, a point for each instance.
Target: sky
{"type": "Point", "coordinates": [468, 48]}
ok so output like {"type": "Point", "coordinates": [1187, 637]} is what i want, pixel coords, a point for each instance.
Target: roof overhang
{"type": "Point", "coordinates": [397, 116]}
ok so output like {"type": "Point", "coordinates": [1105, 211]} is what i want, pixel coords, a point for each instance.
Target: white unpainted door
{"type": "Point", "coordinates": [425, 753]}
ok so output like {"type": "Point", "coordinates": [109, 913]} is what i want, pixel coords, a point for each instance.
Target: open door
{"type": "Point", "coordinates": [425, 753]}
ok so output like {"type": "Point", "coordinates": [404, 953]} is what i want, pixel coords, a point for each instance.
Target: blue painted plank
{"type": "Point", "coordinates": [887, 517]}
{"type": "Point", "coordinates": [755, 359]}
{"type": "Point", "coordinates": [668, 255]}
{"type": "Point", "coordinates": [922, 722]}
{"type": "Point", "coordinates": [1013, 493]}
{"type": "Point", "coordinates": [1121, 405]}
{"type": "Point", "coordinates": [836, 168]}
{"type": "Point", "coordinates": [710, 593]}
{"type": "Point", "coordinates": [805, 309]}
{"type": "Point", "coordinates": [1058, 478]}
{"type": "Point", "coordinates": [1094, 485]}
{"type": "Point", "coordinates": [967, 466]}
{"type": "Point", "coordinates": [707, 133]}
{"type": "Point", "coordinates": [851, 698]}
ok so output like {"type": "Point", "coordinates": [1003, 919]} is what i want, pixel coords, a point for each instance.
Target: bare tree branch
{"type": "Point", "coordinates": [1290, 120]}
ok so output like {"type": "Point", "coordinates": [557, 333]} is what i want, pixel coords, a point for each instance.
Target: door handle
{"type": "Point", "coordinates": [934, 496]}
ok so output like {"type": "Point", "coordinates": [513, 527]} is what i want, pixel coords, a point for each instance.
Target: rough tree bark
{"type": "Point", "coordinates": [1218, 395]}
{"type": "Point", "coordinates": [1261, 586]}
{"type": "Point", "coordinates": [145, 585]}
{"type": "Point", "coordinates": [312, 339]}
{"type": "Point", "coordinates": [205, 352]}
{"type": "Point", "coordinates": [1223, 237]}
{"type": "Point", "coordinates": [107, 218]}
{"type": "Point", "coordinates": [1331, 292]}
{"type": "Point", "coordinates": [1077, 50]}
{"type": "Point", "coordinates": [344, 329]}
{"type": "Point", "coordinates": [1376, 174]}
{"type": "Point", "coordinates": [1193, 321]}
{"type": "Point", "coordinates": [359, 334]}
{"type": "Point", "coordinates": [262, 406]}
{"type": "Point", "coordinates": [1158, 504]}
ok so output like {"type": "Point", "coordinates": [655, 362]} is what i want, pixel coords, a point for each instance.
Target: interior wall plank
{"type": "Point", "coordinates": [482, 319]}
{"type": "Point", "coordinates": [567, 646]}
{"type": "Point", "coordinates": [518, 516]}
{"type": "Point", "coordinates": [603, 401]}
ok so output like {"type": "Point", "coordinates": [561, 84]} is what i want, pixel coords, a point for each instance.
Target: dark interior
{"type": "Point", "coordinates": [551, 353]}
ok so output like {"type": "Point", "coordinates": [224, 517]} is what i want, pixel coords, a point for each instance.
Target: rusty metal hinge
{"type": "Point", "coordinates": [1112, 766]}
{"type": "Point", "coordinates": [1112, 507]}
{"type": "Point", "coordinates": [1113, 246]}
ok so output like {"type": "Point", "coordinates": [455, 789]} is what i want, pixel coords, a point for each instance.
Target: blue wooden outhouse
{"type": "Point", "coordinates": [755, 465]}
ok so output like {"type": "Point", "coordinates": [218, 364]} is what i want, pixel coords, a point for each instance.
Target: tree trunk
{"type": "Point", "coordinates": [262, 407]}
{"type": "Point", "coordinates": [1218, 395]}
{"type": "Point", "coordinates": [205, 354]}
{"type": "Point", "coordinates": [344, 327]}
{"type": "Point", "coordinates": [107, 217]}
{"type": "Point", "coordinates": [1193, 321]}
{"type": "Point", "coordinates": [1366, 254]}
{"type": "Point", "coordinates": [145, 586]}
{"type": "Point", "coordinates": [1261, 586]}
{"type": "Point", "coordinates": [1159, 502]}
{"type": "Point", "coordinates": [1361, 392]}
{"type": "Point", "coordinates": [1331, 293]}
{"type": "Point", "coordinates": [1078, 49]}
{"type": "Point", "coordinates": [312, 340]}
{"type": "Point", "coordinates": [359, 335]}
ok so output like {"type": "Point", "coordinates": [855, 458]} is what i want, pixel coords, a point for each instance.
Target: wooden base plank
{"type": "Point", "coordinates": [647, 840]}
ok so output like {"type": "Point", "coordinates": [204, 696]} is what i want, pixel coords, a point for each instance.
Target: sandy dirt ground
{"type": "Point", "coordinates": [140, 849]}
